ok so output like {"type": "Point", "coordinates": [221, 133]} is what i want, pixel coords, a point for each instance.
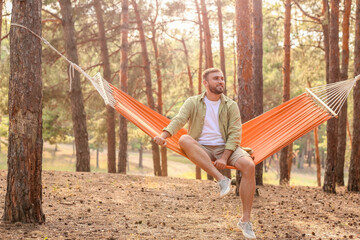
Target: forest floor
{"type": "Point", "coordinates": [114, 206]}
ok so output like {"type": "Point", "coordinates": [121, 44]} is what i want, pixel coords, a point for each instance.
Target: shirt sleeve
{"type": "Point", "coordinates": [181, 118]}
{"type": "Point", "coordinates": [234, 128]}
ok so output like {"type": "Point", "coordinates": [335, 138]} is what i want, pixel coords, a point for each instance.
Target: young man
{"type": "Point", "coordinates": [213, 140]}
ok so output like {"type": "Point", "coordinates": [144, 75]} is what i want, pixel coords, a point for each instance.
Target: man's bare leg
{"type": "Point", "coordinates": [247, 185]}
{"type": "Point", "coordinates": [198, 156]}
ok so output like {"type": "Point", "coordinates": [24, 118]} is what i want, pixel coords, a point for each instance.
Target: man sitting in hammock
{"type": "Point", "coordinates": [213, 140]}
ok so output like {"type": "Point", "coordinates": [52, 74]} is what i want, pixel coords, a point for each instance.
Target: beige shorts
{"type": "Point", "coordinates": [215, 152]}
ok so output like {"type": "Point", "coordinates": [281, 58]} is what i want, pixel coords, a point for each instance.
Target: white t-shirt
{"type": "Point", "coordinates": [211, 134]}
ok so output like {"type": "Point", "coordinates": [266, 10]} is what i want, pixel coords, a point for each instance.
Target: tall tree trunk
{"type": "Point", "coordinates": [23, 200]}
{"type": "Point", "coordinates": [354, 170]}
{"type": "Point", "coordinates": [257, 71]}
{"type": "Point", "coordinates": [76, 96]}
{"type": "Point", "coordinates": [198, 169]}
{"type": "Point", "coordinates": [191, 85]}
{"type": "Point", "coordinates": [207, 35]}
{"type": "Point", "coordinates": [334, 73]}
{"type": "Point", "coordinates": [326, 31]}
{"type": "Point", "coordinates": [341, 148]}
{"type": "Point", "coordinates": [141, 156]}
{"type": "Point", "coordinates": [123, 138]}
{"type": "Point", "coordinates": [163, 150]}
{"type": "Point", "coordinates": [235, 63]}
{"type": "Point", "coordinates": [244, 59]}
{"type": "Point", "coordinates": [110, 113]}
{"type": "Point", "coordinates": [150, 98]}
{"type": "Point", "coordinates": [284, 173]}
{"type": "Point", "coordinates": [221, 40]}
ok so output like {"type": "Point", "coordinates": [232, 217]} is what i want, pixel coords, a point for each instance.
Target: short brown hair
{"type": "Point", "coordinates": [208, 71]}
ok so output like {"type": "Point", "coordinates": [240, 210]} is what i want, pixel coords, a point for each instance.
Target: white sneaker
{"type": "Point", "coordinates": [224, 186]}
{"type": "Point", "coordinates": [246, 228]}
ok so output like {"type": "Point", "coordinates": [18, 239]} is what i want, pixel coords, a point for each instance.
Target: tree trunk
{"type": "Point", "coordinates": [123, 142]}
{"type": "Point", "coordinates": [245, 67]}
{"type": "Point", "coordinates": [341, 148]}
{"type": "Point", "coordinates": [317, 156]}
{"type": "Point", "coordinates": [97, 158]}
{"type": "Point", "coordinates": [150, 99]}
{"type": "Point", "coordinates": [163, 150]}
{"type": "Point", "coordinates": [110, 113]}
{"type": "Point", "coordinates": [354, 169]}
{"type": "Point", "coordinates": [207, 35]}
{"type": "Point", "coordinates": [326, 31]}
{"type": "Point", "coordinates": [235, 63]}
{"type": "Point", "coordinates": [198, 169]}
{"type": "Point", "coordinates": [191, 85]}
{"type": "Point", "coordinates": [76, 97]}
{"type": "Point", "coordinates": [23, 200]}
{"type": "Point", "coordinates": [141, 156]}
{"type": "Point", "coordinates": [330, 177]}
{"type": "Point", "coordinates": [284, 173]}
{"type": "Point", "coordinates": [257, 72]}
{"type": "Point", "coordinates": [221, 41]}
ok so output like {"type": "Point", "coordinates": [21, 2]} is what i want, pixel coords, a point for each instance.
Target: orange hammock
{"type": "Point", "coordinates": [266, 134]}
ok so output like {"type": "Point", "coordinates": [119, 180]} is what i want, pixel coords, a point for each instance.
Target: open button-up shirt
{"type": "Point", "coordinates": [194, 110]}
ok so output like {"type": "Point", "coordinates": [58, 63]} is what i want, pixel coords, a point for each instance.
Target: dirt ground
{"type": "Point", "coordinates": [113, 206]}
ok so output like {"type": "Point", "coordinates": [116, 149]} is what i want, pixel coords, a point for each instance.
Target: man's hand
{"type": "Point", "coordinates": [220, 163]}
{"type": "Point", "coordinates": [161, 139]}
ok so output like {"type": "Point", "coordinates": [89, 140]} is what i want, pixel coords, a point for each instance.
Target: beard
{"type": "Point", "coordinates": [216, 89]}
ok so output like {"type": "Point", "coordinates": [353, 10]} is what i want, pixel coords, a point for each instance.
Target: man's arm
{"type": "Point", "coordinates": [161, 139]}
{"type": "Point", "coordinates": [233, 138]}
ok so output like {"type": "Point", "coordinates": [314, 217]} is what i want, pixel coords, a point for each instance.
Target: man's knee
{"type": "Point", "coordinates": [246, 166]}
{"type": "Point", "coordinates": [185, 139]}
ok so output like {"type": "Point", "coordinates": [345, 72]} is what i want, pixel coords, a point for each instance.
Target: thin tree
{"type": "Point", "coordinates": [163, 150]}
{"type": "Point", "coordinates": [284, 173]}
{"type": "Point", "coordinates": [198, 169]}
{"type": "Point", "coordinates": [76, 96]}
{"type": "Point", "coordinates": [221, 40]}
{"type": "Point", "coordinates": [124, 65]}
{"type": "Point", "coordinates": [341, 148]}
{"type": "Point", "coordinates": [244, 66]}
{"type": "Point", "coordinates": [257, 71]}
{"type": "Point", "coordinates": [110, 113]}
{"type": "Point", "coordinates": [23, 200]}
{"type": "Point", "coordinates": [334, 73]}
{"type": "Point", "coordinates": [207, 36]}
{"type": "Point", "coordinates": [147, 73]}
{"type": "Point", "coordinates": [354, 170]}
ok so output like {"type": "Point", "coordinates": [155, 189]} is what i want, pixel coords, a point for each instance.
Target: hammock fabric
{"type": "Point", "coordinates": [266, 134]}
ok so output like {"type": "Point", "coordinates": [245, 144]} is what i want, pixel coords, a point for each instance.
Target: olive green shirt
{"type": "Point", "coordinates": [194, 110]}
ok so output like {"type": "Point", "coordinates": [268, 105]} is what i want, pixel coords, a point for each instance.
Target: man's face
{"type": "Point", "coordinates": [215, 82]}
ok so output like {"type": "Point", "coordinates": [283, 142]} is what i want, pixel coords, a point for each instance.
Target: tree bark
{"type": "Point", "coordinates": [198, 169]}
{"type": "Point", "coordinates": [207, 35]}
{"type": "Point", "coordinates": [124, 66]}
{"type": "Point", "coordinates": [326, 31]}
{"type": "Point", "coordinates": [317, 156]}
{"type": "Point", "coordinates": [221, 41]}
{"type": "Point", "coordinates": [163, 150]}
{"type": "Point", "coordinates": [354, 169]}
{"type": "Point", "coordinates": [110, 113]}
{"type": "Point", "coordinates": [341, 148]}
{"type": "Point", "coordinates": [245, 66]}
{"type": "Point", "coordinates": [334, 73]}
{"type": "Point", "coordinates": [191, 85]}
{"type": "Point", "coordinates": [284, 173]}
{"type": "Point", "coordinates": [257, 72]}
{"type": "Point", "coordinates": [76, 96]}
{"type": "Point", "coordinates": [23, 200]}
{"type": "Point", "coordinates": [150, 98]}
